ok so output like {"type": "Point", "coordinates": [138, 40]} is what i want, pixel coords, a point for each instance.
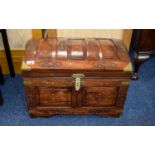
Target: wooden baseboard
{"type": "Point", "coordinates": [17, 56]}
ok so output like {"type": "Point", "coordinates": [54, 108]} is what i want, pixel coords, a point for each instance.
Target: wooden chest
{"type": "Point", "coordinates": [76, 76]}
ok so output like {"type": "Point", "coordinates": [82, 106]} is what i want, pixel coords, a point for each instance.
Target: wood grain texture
{"type": "Point", "coordinates": [48, 111]}
{"type": "Point", "coordinates": [100, 96]}
{"type": "Point", "coordinates": [51, 87]}
{"type": "Point", "coordinates": [60, 53]}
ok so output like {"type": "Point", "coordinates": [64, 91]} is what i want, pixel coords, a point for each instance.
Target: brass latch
{"type": "Point", "coordinates": [77, 80]}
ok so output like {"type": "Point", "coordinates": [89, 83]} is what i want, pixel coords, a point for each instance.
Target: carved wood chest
{"type": "Point", "coordinates": [76, 76]}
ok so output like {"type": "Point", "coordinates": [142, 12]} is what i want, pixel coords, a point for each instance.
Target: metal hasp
{"type": "Point", "coordinates": [77, 80]}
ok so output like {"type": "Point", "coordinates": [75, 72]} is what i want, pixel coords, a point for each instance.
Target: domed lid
{"type": "Point", "coordinates": [85, 54]}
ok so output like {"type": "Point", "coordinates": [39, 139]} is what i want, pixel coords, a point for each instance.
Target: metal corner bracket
{"type": "Point", "coordinates": [25, 67]}
{"type": "Point", "coordinates": [128, 68]}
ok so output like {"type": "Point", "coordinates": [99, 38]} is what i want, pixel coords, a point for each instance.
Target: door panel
{"type": "Point", "coordinates": [100, 96]}
{"type": "Point", "coordinates": [54, 96]}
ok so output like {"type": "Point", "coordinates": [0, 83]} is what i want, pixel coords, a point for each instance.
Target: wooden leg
{"type": "Point", "coordinates": [139, 60]}
{"type": "Point", "coordinates": [1, 99]}
{"type": "Point", "coordinates": [8, 52]}
{"type": "Point", "coordinates": [1, 76]}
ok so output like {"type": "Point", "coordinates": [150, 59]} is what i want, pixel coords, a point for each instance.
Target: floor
{"type": "Point", "coordinates": [139, 106]}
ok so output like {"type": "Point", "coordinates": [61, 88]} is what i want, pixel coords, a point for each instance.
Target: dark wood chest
{"type": "Point", "coordinates": [76, 76]}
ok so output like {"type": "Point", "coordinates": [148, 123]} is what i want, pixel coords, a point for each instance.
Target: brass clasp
{"type": "Point", "coordinates": [77, 81]}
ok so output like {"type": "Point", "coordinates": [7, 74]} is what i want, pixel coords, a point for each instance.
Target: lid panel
{"type": "Point", "coordinates": [63, 53]}
{"type": "Point", "coordinates": [108, 49]}
{"type": "Point", "coordinates": [62, 48]}
{"type": "Point", "coordinates": [76, 49]}
{"type": "Point", "coordinates": [92, 49]}
{"type": "Point", "coordinates": [47, 49]}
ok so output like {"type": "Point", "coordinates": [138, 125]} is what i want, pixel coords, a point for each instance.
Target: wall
{"type": "Point", "coordinates": [107, 33]}
{"type": "Point", "coordinates": [17, 38]}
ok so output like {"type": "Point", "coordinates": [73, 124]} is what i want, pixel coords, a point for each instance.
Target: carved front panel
{"type": "Point", "coordinates": [62, 92]}
{"type": "Point", "coordinates": [49, 96]}
{"type": "Point", "coordinates": [100, 96]}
